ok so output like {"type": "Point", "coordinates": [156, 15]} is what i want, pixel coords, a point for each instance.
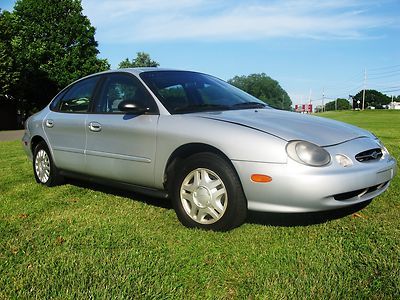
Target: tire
{"type": "Point", "coordinates": [207, 193]}
{"type": "Point", "coordinates": [44, 169]}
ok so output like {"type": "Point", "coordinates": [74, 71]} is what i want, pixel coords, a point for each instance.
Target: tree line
{"type": "Point", "coordinates": [372, 99]}
{"type": "Point", "coordinates": [47, 44]}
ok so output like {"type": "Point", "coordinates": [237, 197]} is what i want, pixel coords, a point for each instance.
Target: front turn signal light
{"type": "Point", "coordinates": [261, 178]}
{"type": "Point", "coordinates": [343, 160]}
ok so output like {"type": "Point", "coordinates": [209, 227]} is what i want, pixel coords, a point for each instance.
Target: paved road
{"type": "Point", "coordinates": [11, 135]}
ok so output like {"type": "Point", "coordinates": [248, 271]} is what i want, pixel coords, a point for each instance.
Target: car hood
{"type": "Point", "coordinates": [290, 126]}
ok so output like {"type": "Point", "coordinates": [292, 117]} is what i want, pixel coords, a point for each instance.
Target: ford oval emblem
{"type": "Point", "coordinates": [374, 155]}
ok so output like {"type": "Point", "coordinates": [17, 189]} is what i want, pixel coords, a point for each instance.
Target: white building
{"type": "Point", "coordinates": [394, 105]}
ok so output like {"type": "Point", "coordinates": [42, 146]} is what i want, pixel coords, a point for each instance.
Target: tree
{"type": "Point", "coordinates": [52, 45]}
{"type": "Point", "coordinates": [8, 74]}
{"type": "Point", "coordinates": [338, 104]}
{"type": "Point", "coordinates": [372, 98]}
{"type": "Point", "coordinates": [264, 88]}
{"type": "Point", "coordinates": [142, 60]}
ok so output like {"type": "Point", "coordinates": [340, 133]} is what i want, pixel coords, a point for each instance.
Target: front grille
{"type": "Point", "coordinates": [348, 195]}
{"type": "Point", "coordinates": [369, 155]}
{"type": "Point", "coordinates": [359, 193]}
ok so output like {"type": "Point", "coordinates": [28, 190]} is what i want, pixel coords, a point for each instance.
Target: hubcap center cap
{"type": "Point", "coordinates": [202, 197]}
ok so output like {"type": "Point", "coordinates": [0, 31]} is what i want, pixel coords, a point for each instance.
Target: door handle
{"type": "Point", "coordinates": [94, 126]}
{"type": "Point", "coordinates": [49, 123]}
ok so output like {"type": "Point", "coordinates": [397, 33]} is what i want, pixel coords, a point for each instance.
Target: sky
{"type": "Point", "coordinates": [315, 49]}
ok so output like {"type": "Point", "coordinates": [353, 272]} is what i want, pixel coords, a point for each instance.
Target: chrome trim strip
{"type": "Point", "coordinates": [65, 149]}
{"type": "Point", "coordinates": [118, 156]}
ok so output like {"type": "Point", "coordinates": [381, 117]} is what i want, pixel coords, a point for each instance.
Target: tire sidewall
{"type": "Point", "coordinates": [237, 205]}
{"type": "Point", "coordinates": [53, 171]}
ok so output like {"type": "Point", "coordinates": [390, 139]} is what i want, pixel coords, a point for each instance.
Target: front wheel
{"type": "Point", "coordinates": [43, 166]}
{"type": "Point", "coordinates": [207, 193]}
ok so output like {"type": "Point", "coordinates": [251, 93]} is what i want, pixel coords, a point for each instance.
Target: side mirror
{"type": "Point", "coordinates": [130, 107]}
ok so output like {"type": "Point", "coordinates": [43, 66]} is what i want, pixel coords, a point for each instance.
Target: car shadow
{"type": "Point", "coordinates": [302, 219]}
{"type": "Point", "coordinates": [253, 217]}
{"type": "Point", "coordinates": [158, 202]}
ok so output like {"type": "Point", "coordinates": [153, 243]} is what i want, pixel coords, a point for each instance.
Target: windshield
{"type": "Point", "coordinates": [186, 92]}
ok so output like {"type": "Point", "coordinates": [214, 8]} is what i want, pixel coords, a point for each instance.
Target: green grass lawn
{"type": "Point", "coordinates": [85, 241]}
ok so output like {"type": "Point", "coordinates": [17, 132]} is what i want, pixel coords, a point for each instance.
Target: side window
{"type": "Point", "coordinates": [122, 87]}
{"type": "Point", "coordinates": [78, 97]}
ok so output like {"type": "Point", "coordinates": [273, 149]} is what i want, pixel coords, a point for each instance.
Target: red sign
{"type": "Point", "coordinates": [303, 108]}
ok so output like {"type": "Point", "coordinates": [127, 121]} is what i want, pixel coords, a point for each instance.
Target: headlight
{"type": "Point", "coordinates": [308, 154]}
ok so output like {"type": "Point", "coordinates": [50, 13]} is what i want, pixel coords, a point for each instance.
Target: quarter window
{"type": "Point", "coordinates": [56, 101]}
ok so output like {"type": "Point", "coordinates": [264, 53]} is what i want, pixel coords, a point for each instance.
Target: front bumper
{"type": "Point", "coordinates": [297, 188]}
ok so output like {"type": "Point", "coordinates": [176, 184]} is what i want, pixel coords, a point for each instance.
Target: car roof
{"type": "Point", "coordinates": [134, 71]}
{"type": "Point", "coordinates": [137, 71]}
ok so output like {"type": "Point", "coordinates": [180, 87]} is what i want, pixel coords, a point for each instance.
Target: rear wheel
{"type": "Point", "coordinates": [207, 193]}
{"type": "Point", "coordinates": [43, 166]}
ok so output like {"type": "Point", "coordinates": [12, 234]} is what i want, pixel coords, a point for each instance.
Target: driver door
{"type": "Point", "coordinates": [121, 146]}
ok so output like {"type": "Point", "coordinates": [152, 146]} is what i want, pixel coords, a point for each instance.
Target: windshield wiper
{"type": "Point", "coordinates": [248, 105]}
{"type": "Point", "coordinates": [200, 107]}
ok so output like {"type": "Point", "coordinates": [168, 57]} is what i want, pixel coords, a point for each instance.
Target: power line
{"type": "Point", "coordinates": [390, 91]}
{"type": "Point", "coordinates": [350, 81]}
{"type": "Point", "coordinates": [386, 72]}
{"type": "Point", "coordinates": [387, 67]}
{"type": "Point", "coordinates": [351, 90]}
{"type": "Point", "coordinates": [385, 84]}
{"type": "Point", "coordinates": [386, 76]}
{"type": "Point", "coordinates": [356, 83]}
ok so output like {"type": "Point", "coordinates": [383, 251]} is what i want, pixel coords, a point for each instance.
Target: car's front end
{"type": "Point", "coordinates": [358, 171]}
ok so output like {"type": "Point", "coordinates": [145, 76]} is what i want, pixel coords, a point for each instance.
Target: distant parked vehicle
{"type": "Point", "coordinates": [213, 149]}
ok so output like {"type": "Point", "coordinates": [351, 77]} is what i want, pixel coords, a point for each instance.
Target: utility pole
{"type": "Point", "coordinates": [323, 99]}
{"type": "Point", "coordinates": [309, 101]}
{"type": "Point", "coordinates": [365, 87]}
{"type": "Point", "coordinates": [283, 99]}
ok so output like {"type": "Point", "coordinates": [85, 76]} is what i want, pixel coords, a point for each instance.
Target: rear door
{"type": "Point", "coordinates": [121, 146]}
{"type": "Point", "coordinates": [65, 125]}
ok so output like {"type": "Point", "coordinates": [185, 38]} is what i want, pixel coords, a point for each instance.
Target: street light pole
{"type": "Point", "coordinates": [365, 87]}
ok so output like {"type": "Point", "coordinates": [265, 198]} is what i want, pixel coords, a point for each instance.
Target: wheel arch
{"type": "Point", "coordinates": [35, 141]}
{"type": "Point", "coordinates": [186, 150]}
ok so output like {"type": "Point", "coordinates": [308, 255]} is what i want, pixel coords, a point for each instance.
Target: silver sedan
{"type": "Point", "coordinates": [213, 149]}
